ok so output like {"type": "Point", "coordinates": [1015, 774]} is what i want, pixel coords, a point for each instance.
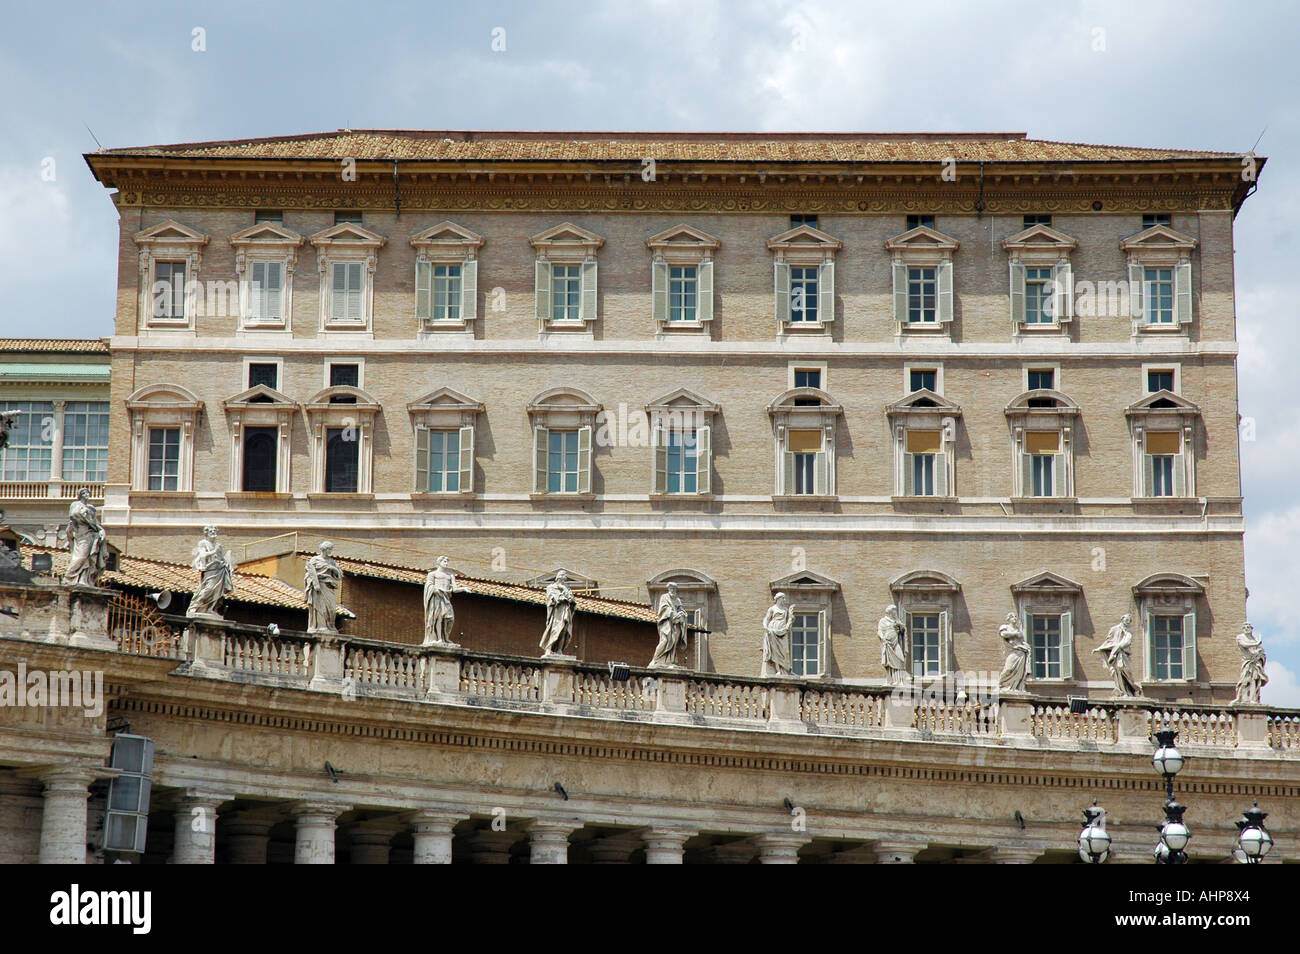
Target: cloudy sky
{"type": "Point", "coordinates": [1191, 75]}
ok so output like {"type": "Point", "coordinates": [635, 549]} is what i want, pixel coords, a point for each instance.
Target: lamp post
{"type": "Point", "coordinates": [1174, 833]}
{"type": "Point", "coordinates": [1094, 840]}
{"type": "Point", "coordinates": [1253, 839]}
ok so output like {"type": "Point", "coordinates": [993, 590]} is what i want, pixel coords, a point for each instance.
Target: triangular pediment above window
{"type": "Point", "coordinates": [566, 234]}
{"type": "Point", "coordinates": [266, 233]}
{"type": "Point", "coordinates": [1163, 401]}
{"type": "Point", "coordinates": [1040, 237]}
{"type": "Point", "coordinates": [261, 396]}
{"type": "Point", "coordinates": [922, 237]}
{"type": "Point", "coordinates": [447, 234]}
{"type": "Point", "coordinates": [923, 400]}
{"type": "Point", "coordinates": [348, 233]}
{"type": "Point", "coordinates": [683, 236]}
{"type": "Point", "coordinates": [1046, 582]}
{"type": "Point", "coordinates": [804, 581]}
{"type": "Point", "coordinates": [683, 399]}
{"type": "Point", "coordinates": [804, 236]}
{"type": "Point", "coordinates": [170, 232]}
{"type": "Point", "coordinates": [445, 399]}
{"type": "Point", "coordinates": [924, 581]}
{"type": "Point", "coordinates": [1158, 237]}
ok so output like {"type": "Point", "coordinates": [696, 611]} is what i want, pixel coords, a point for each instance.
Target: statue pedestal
{"type": "Point", "coordinates": [1015, 714]}
{"type": "Point", "coordinates": [442, 671]}
{"type": "Point", "coordinates": [557, 677]}
{"type": "Point", "coordinates": [326, 666]}
{"type": "Point", "coordinates": [900, 707]}
{"type": "Point", "coordinates": [205, 643]}
{"type": "Point", "coordinates": [670, 692]}
{"type": "Point", "coordinates": [1134, 718]}
{"type": "Point", "coordinates": [1252, 725]}
{"type": "Point", "coordinates": [783, 700]}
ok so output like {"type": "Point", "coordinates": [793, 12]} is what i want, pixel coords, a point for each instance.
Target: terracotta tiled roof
{"type": "Point", "coordinates": [57, 345]}
{"type": "Point", "coordinates": [442, 145]}
{"type": "Point", "coordinates": [156, 575]}
{"type": "Point", "coordinates": [598, 605]}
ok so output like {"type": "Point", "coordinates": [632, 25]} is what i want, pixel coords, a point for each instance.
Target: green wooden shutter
{"type": "Point", "coordinates": [703, 460]}
{"type": "Point", "coordinates": [821, 473]}
{"type": "Point", "coordinates": [274, 308]}
{"type": "Point", "coordinates": [823, 643]}
{"type": "Point", "coordinates": [900, 292]}
{"type": "Point", "coordinates": [946, 652]}
{"type": "Point", "coordinates": [945, 291]}
{"type": "Point", "coordinates": [588, 307]}
{"type": "Point", "coordinates": [1180, 475]}
{"type": "Point", "coordinates": [424, 290]}
{"type": "Point", "coordinates": [782, 279]}
{"type": "Point", "coordinates": [941, 474]}
{"type": "Point", "coordinates": [257, 296]}
{"type": "Point", "coordinates": [1189, 646]}
{"type": "Point", "coordinates": [659, 290]}
{"type": "Point", "coordinates": [704, 291]}
{"type": "Point", "coordinates": [542, 278]}
{"type": "Point", "coordinates": [1063, 292]}
{"type": "Point", "coordinates": [660, 481]}
{"type": "Point", "coordinates": [584, 459]}
{"type": "Point", "coordinates": [539, 460]}
{"type": "Point", "coordinates": [421, 459]}
{"type": "Point", "coordinates": [909, 474]}
{"type": "Point", "coordinates": [339, 291]}
{"type": "Point", "coordinates": [1067, 645]}
{"type": "Point", "coordinates": [1183, 293]}
{"type": "Point", "coordinates": [354, 290]}
{"type": "Point", "coordinates": [1148, 474]}
{"type": "Point", "coordinates": [1017, 294]}
{"type": "Point", "coordinates": [469, 290]}
{"type": "Point", "coordinates": [787, 473]}
{"type": "Point", "coordinates": [1026, 474]}
{"type": "Point", "coordinates": [1060, 486]}
{"type": "Point", "coordinates": [466, 460]}
{"type": "Point", "coordinates": [1148, 649]}
{"type": "Point", "coordinates": [1135, 290]}
{"type": "Point", "coordinates": [826, 291]}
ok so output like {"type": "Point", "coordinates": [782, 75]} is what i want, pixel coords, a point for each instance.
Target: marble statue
{"type": "Point", "coordinates": [439, 617]}
{"type": "Point", "coordinates": [1118, 647]}
{"type": "Point", "coordinates": [673, 620]}
{"type": "Point", "coordinates": [89, 543]}
{"type": "Point", "coordinates": [321, 590]}
{"type": "Point", "coordinates": [560, 604]}
{"type": "Point", "coordinates": [1015, 670]}
{"type": "Point", "coordinates": [892, 652]}
{"type": "Point", "coordinates": [777, 623]}
{"type": "Point", "coordinates": [1253, 677]}
{"type": "Point", "coordinates": [216, 575]}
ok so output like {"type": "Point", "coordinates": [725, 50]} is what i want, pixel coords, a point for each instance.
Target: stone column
{"type": "Point", "coordinates": [548, 842]}
{"type": "Point", "coordinates": [492, 847]}
{"type": "Point", "coordinates": [316, 822]}
{"type": "Point", "coordinates": [896, 852]}
{"type": "Point", "coordinates": [370, 842]}
{"type": "Point", "coordinates": [665, 845]}
{"type": "Point", "coordinates": [63, 821]}
{"type": "Point", "coordinates": [432, 833]}
{"type": "Point", "coordinates": [247, 839]}
{"type": "Point", "coordinates": [733, 853]}
{"type": "Point", "coordinates": [196, 828]}
{"type": "Point", "coordinates": [613, 849]}
{"type": "Point", "coordinates": [780, 848]}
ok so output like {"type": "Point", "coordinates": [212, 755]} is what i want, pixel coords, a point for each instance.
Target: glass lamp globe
{"type": "Point", "coordinates": [1175, 835]}
{"type": "Point", "coordinates": [1167, 760]}
{"type": "Point", "coordinates": [1255, 842]}
{"type": "Point", "coordinates": [1094, 840]}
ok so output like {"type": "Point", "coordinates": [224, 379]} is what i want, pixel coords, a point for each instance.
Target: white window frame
{"type": "Point", "coordinates": [323, 416]}
{"type": "Point", "coordinates": [444, 410]}
{"type": "Point", "coordinates": [567, 244]}
{"type": "Point", "coordinates": [1037, 247]}
{"type": "Point", "coordinates": [910, 366]}
{"type": "Point", "coordinates": [265, 243]}
{"type": "Point", "coordinates": [1161, 247]}
{"type": "Point", "coordinates": [1042, 366]}
{"type": "Point", "coordinates": [904, 416]}
{"type": "Point", "coordinates": [1047, 594]}
{"type": "Point", "coordinates": [359, 361]}
{"type": "Point", "coordinates": [923, 247]}
{"type": "Point", "coordinates": [811, 593]}
{"type": "Point", "coordinates": [819, 366]}
{"type": "Point", "coordinates": [822, 615]}
{"type": "Point", "coordinates": [681, 410]}
{"type": "Point", "coordinates": [347, 244]}
{"type": "Point", "coordinates": [1173, 366]}
{"type": "Point", "coordinates": [787, 417]}
{"type": "Point", "coordinates": [169, 241]}
{"type": "Point", "coordinates": [804, 247]}
{"type": "Point", "coordinates": [162, 405]}
{"type": "Point", "coordinates": [679, 246]}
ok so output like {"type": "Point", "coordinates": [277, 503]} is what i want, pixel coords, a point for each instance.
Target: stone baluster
{"type": "Point", "coordinates": [316, 823]}
{"type": "Point", "coordinates": [665, 845]}
{"type": "Point", "coordinates": [431, 831]}
{"type": "Point", "coordinates": [63, 819]}
{"type": "Point", "coordinates": [548, 841]}
{"type": "Point", "coordinates": [196, 828]}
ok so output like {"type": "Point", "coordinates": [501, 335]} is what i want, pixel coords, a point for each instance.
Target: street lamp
{"type": "Point", "coordinates": [1168, 761]}
{"type": "Point", "coordinates": [1253, 839]}
{"type": "Point", "coordinates": [1094, 840]}
{"type": "Point", "coordinates": [1174, 833]}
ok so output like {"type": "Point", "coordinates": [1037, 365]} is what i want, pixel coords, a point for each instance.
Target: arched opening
{"type": "Point", "coordinates": [260, 459]}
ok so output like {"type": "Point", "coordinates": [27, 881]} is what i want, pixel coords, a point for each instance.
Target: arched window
{"type": "Point", "coordinates": [260, 445]}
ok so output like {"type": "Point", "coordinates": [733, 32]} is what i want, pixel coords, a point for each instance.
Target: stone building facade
{"type": "Point", "coordinates": [965, 374]}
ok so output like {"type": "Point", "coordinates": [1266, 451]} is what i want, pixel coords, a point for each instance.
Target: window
{"type": "Point", "coordinates": [1161, 380]}
{"type": "Point", "coordinates": [800, 218]}
{"type": "Point", "coordinates": [927, 644]}
{"type": "Point", "coordinates": [348, 216]}
{"type": "Point", "coordinates": [260, 445]}
{"type": "Point", "coordinates": [681, 435]}
{"type": "Point", "coordinates": [266, 294]}
{"type": "Point", "coordinates": [1157, 218]}
{"type": "Point", "coordinates": [805, 461]}
{"type": "Point", "coordinates": [919, 221]}
{"type": "Point", "coordinates": [804, 428]}
{"type": "Point", "coordinates": [1166, 647]}
{"type": "Point", "coordinates": [29, 455]}
{"type": "Point", "coordinates": [566, 292]}
{"type": "Point", "coordinates": [164, 458]}
{"type": "Point", "coordinates": [268, 215]}
{"type": "Point", "coordinates": [346, 292]}
{"type": "Point", "coordinates": [345, 375]}
{"type": "Point", "coordinates": [266, 254]}
{"type": "Point", "coordinates": [923, 379]}
{"type": "Point", "coordinates": [924, 466]}
{"type": "Point", "coordinates": [1045, 644]}
{"type": "Point", "coordinates": [445, 458]}
{"type": "Point", "coordinates": [1164, 466]}
{"type": "Point", "coordinates": [682, 462]}
{"type": "Point", "coordinates": [1158, 295]}
{"type": "Point", "coordinates": [1044, 464]}
{"type": "Point", "coordinates": [1038, 296]}
{"type": "Point", "coordinates": [808, 377]}
{"type": "Point", "coordinates": [85, 441]}
{"type": "Point", "coordinates": [922, 294]}
{"type": "Point", "coordinates": [681, 293]}
{"type": "Point", "coordinates": [169, 291]}
{"type": "Point", "coordinates": [1042, 379]}
{"type": "Point", "coordinates": [264, 373]}
{"type": "Point", "coordinates": [805, 644]}
{"type": "Point", "coordinates": [1030, 221]}
{"type": "Point", "coordinates": [803, 293]}
{"type": "Point", "coordinates": [341, 460]}
{"type": "Point", "coordinates": [562, 462]}
{"type": "Point", "coordinates": [438, 293]}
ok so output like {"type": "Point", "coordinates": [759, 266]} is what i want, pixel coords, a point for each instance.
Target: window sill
{"type": "Point", "coordinates": [925, 504]}
{"type": "Point", "coordinates": [683, 327]}
{"type": "Point", "coordinates": [162, 494]}
{"type": "Point", "coordinates": [1045, 328]}
{"type": "Point", "coordinates": [1173, 504]}
{"type": "Point", "coordinates": [321, 495]}
{"type": "Point", "coordinates": [431, 497]}
{"type": "Point", "coordinates": [346, 328]}
{"type": "Point", "coordinates": [683, 498]}
{"type": "Point", "coordinates": [252, 327]}
{"type": "Point", "coordinates": [799, 328]}
{"type": "Point", "coordinates": [561, 498]}
{"type": "Point", "coordinates": [923, 327]}
{"type": "Point", "coordinates": [1046, 504]}
{"type": "Point", "coordinates": [428, 326]}
{"type": "Point", "coordinates": [255, 495]}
